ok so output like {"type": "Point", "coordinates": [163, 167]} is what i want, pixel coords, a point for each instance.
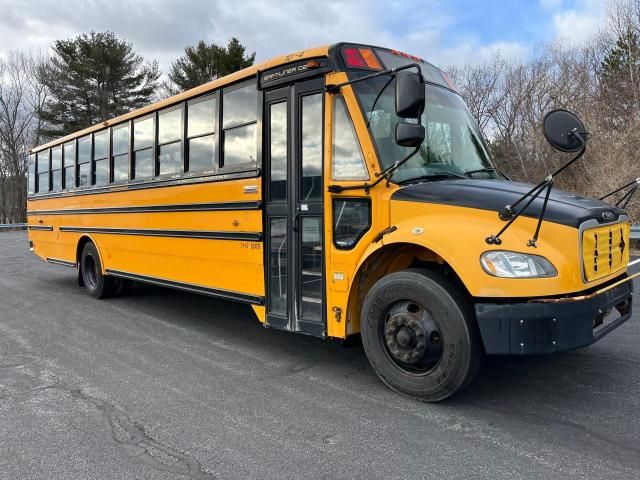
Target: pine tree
{"type": "Point", "coordinates": [620, 74]}
{"type": "Point", "coordinates": [91, 78]}
{"type": "Point", "coordinates": [203, 63]}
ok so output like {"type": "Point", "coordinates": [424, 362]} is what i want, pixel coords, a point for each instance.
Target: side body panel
{"type": "Point", "coordinates": [215, 242]}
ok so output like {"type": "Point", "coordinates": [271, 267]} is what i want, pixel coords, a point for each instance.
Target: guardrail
{"type": "Point", "coordinates": [13, 226]}
{"type": "Point", "coordinates": [635, 232]}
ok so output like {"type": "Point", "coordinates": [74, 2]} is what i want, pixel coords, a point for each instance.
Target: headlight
{"type": "Point", "coordinates": [505, 264]}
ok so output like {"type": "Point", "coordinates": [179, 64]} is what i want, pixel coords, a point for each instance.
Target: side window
{"type": "Point", "coordinates": [84, 161]}
{"type": "Point", "coordinates": [143, 141]}
{"type": "Point", "coordinates": [201, 129]}
{"type": "Point", "coordinates": [170, 130]}
{"type": "Point", "coordinates": [239, 119]}
{"type": "Point", "coordinates": [31, 189]}
{"type": "Point", "coordinates": [69, 162]}
{"type": "Point", "coordinates": [351, 220]}
{"type": "Point", "coordinates": [101, 158]}
{"type": "Point", "coordinates": [43, 171]}
{"type": "Point", "coordinates": [347, 162]}
{"type": "Point", "coordinates": [120, 153]}
{"type": "Point", "coordinates": [56, 169]}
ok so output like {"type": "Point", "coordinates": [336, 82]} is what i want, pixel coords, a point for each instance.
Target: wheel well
{"type": "Point", "coordinates": [389, 259]}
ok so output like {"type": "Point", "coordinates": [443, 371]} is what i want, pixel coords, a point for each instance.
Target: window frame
{"type": "Point", "coordinates": [48, 170]}
{"type": "Point", "coordinates": [78, 164]}
{"type": "Point", "coordinates": [300, 159]}
{"type": "Point", "coordinates": [129, 125]}
{"type": "Point", "coordinates": [153, 147]}
{"type": "Point", "coordinates": [57, 147]}
{"type": "Point", "coordinates": [334, 200]}
{"type": "Point", "coordinates": [74, 165]}
{"type": "Point", "coordinates": [171, 108]}
{"type": "Point", "coordinates": [244, 166]}
{"type": "Point", "coordinates": [32, 174]}
{"type": "Point", "coordinates": [216, 134]}
{"type": "Point", "coordinates": [354, 132]}
{"type": "Point", "coordinates": [94, 160]}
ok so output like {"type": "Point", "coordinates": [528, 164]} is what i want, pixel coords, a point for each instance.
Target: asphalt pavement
{"type": "Point", "coordinates": [163, 384]}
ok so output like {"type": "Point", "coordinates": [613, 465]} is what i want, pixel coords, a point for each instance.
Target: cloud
{"type": "Point", "coordinates": [161, 29]}
{"type": "Point", "coordinates": [577, 24]}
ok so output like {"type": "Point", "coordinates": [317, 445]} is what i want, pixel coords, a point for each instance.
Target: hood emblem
{"type": "Point", "coordinates": [608, 216]}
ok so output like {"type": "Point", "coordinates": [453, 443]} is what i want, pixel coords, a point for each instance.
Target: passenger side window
{"type": "Point", "coordinates": [84, 161]}
{"type": "Point", "coordinates": [351, 220]}
{"type": "Point", "coordinates": [240, 114]}
{"type": "Point", "coordinates": [69, 162]}
{"type": "Point", "coordinates": [170, 130]}
{"type": "Point", "coordinates": [32, 175]}
{"type": "Point", "coordinates": [43, 171]}
{"type": "Point", "coordinates": [143, 141]}
{"type": "Point", "coordinates": [347, 162]}
{"type": "Point", "coordinates": [56, 169]}
{"type": "Point", "coordinates": [120, 153]}
{"type": "Point", "coordinates": [101, 158]}
{"type": "Point", "coordinates": [201, 129]}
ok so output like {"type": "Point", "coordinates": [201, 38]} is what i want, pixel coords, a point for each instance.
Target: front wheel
{"type": "Point", "coordinates": [419, 333]}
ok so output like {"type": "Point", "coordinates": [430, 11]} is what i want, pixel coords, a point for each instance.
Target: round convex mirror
{"type": "Point", "coordinates": [559, 126]}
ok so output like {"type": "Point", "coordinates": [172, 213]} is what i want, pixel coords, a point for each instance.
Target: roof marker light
{"type": "Point", "coordinates": [370, 58]}
{"type": "Point", "coordinates": [361, 58]}
{"type": "Point", "coordinates": [353, 58]}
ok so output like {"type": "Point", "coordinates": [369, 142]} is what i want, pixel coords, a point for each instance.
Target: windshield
{"type": "Point", "coordinates": [453, 145]}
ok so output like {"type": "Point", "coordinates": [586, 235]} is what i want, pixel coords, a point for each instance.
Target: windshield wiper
{"type": "Point", "coordinates": [468, 173]}
{"type": "Point", "coordinates": [440, 174]}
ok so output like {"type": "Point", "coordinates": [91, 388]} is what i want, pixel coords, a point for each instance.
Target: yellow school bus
{"type": "Point", "coordinates": [340, 191]}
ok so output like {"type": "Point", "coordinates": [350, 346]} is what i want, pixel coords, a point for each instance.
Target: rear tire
{"type": "Point", "coordinates": [95, 283]}
{"type": "Point", "coordinates": [420, 335]}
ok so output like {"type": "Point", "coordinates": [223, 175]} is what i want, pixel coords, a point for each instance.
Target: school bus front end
{"type": "Point", "coordinates": [433, 290]}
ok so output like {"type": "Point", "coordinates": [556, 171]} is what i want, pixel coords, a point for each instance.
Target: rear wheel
{"type": "Point", "coordinates": [96, 284]}
{"type": "Point", "coordinates": [420, 336]}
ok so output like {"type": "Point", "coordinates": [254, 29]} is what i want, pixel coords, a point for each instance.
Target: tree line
{"type": "Point", "coordinates": [87, 80]}
{"type": "Point", "coordinates": [598, 79]}
{"type": "Point", "coordinates": [96, 76]}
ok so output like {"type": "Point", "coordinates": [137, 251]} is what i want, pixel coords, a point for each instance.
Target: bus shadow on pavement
{"type": "Point", "coordinates": [505, 380]}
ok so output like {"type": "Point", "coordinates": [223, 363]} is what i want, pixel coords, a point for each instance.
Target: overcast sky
{"type": "Point", "coordinates": [441, 31]}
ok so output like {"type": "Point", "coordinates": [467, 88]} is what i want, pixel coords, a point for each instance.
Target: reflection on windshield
{"type": "Point", "coordinates": [452, 141]}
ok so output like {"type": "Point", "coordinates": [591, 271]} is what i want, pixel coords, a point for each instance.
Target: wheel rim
{"type": "Point", "coordinates": [90, 272]}
{"type": "Point", "coordinates": [411, 337]}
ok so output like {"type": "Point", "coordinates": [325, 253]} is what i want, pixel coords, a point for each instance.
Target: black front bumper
{"type": "Point", "coordinates": [530, 328]}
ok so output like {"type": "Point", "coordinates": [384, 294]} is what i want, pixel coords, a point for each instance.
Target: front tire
{"type": "Point", "coordinates": [419, 333]}
{"type": "Point", "coordinates": [95, 283]}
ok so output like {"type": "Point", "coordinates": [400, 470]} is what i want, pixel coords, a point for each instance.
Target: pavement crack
{"type": "Point", "coordinates": [121, 431]}
{"type": "Point", "coordinates": [140, 445]}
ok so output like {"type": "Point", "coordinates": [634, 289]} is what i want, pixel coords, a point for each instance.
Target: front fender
{"type": "Point", "coordinates": [457, 235]}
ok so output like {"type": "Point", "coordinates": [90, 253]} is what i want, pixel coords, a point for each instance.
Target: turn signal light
{"type": "Point", "coordinates": [361, 58]}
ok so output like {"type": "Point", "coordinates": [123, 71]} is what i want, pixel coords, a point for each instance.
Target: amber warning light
{"type": "Point", "coordinates": [355, 57]}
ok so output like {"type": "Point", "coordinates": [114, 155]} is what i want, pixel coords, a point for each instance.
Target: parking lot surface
{"type": "Point", "coordinates": [163, 384]}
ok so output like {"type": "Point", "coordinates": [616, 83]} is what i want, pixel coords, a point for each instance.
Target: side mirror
{"type": "Point", "coordinates": [409, 134]}
{"type": "Point", "coordinates": [409, 95]}
{"type": "Point", "coordinates": [559, 128]}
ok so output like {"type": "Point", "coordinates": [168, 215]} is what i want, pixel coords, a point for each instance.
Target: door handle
{"type": "Point", "coordinates": [296, 216]}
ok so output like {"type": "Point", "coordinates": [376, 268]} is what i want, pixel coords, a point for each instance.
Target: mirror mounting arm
{"type": "Point", "coordinates": [509, 213]}
{"type": "Point", "coordinates": [335, 88]}
{"type": "Point", "coordinates": [626, 198]}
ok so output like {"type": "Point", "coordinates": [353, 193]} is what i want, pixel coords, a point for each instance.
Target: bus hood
{"type": "Point", "coordinates": [564, 208]}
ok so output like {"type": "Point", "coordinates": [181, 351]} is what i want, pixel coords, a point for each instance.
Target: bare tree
{"type": "Point", "coordinates": [21, 97]}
